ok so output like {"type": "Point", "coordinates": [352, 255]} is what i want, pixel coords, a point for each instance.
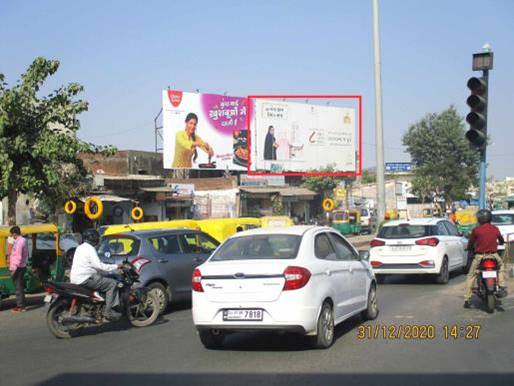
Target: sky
{"type": "Point", "coordinates": [126, 52]}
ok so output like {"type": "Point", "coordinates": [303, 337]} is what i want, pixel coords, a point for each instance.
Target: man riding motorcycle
{"type": "Point", "coordinates": [484, 241]}
{"type": "Point", "coordinates": [86, 271]}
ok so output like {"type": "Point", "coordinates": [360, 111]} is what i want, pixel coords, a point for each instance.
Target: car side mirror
{"type": "Point", "coordinates": [364, 255]}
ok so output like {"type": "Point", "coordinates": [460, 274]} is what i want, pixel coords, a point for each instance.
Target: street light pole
{"type": "Point", "coordinates": [379, 135]}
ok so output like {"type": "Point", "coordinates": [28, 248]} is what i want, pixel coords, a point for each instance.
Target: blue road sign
{"type": "Point", "coordinates": [398, 167]}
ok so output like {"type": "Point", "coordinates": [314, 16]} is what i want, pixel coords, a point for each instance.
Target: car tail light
{"type": "Point", "coordinates": [196, 281]}
{"type": "Point", "coordinates": [375, 264]}
{"type": "Point", "coordinates": [427, 263]}
{"type": "Point", "coordinates": [296, 278]}
{"type": "Point", "coordinates": [431, 242]}
{"type": "Point", "coordinates": [376, 243]}
{"type": "Point", "coordinates": [489, 264]}
{"type": "Point", "coordinates": [139, 262]}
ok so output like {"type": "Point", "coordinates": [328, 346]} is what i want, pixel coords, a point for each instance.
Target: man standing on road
{"type": "Point", "coordinates": [484, 242]}
{"type": "Point", "coordinates": [86, 271]}
{"type": "Point", "coordinates": [17, 266]}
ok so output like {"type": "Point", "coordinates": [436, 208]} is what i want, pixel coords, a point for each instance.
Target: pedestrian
{"type": "Point", "coordinates": [17, 267]}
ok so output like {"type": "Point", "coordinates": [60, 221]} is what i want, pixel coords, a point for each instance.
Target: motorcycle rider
{"type": "Point", "coordinates": [86, 271]}
{"type": "Point", "coordinates": [484, 241]}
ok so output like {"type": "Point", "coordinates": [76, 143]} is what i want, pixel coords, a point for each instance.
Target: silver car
{"type": "Point", "coordinates": [164, 259]}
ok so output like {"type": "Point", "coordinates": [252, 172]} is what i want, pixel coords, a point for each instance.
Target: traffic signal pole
{"type": "Point", "coordinates": [483, 151]}
{"type": "Point", "coordinates": [477, 118]}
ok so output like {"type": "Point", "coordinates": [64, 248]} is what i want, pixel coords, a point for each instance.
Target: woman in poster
{"type": "Point", "coordinates": [270, 145]}
{"type": "Point", "coordinates": [187, 142]}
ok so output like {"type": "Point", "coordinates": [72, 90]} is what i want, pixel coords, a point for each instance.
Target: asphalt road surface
{"type": "Point", "coordinates": [170, 353]}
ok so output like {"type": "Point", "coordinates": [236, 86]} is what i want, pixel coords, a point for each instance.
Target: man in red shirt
{"type": "Point", "coordinates": [484, 241]}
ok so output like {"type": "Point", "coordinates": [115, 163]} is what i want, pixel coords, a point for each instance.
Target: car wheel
{"type": "Point", "coordinates": [211, 339]}
{"type": "Point", "coordinates": [380, 279]}
{"type": "Point", "coordinates": [161, 293]}
{"type": "Point", "coordinates": [326, 327]}
{"type": "Point", "coordinates": [371, 312]}
{"type": "Point", "coordinates": [444, 274]}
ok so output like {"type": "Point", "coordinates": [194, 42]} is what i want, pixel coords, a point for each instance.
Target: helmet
{"type": "Point", "coordinates": [91, 236]}
{"type": "Point", "coordinates": [484, 216]}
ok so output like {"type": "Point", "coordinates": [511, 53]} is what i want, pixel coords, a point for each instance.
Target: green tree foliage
{"type": "Point", "coordinates": [38, 143]}
{"type": "Point", "coordinates": [368, 177]}
{"type": "Point", "coordinates": [445, 165]}
{"type": "Point", "coordinates": [322, 185]}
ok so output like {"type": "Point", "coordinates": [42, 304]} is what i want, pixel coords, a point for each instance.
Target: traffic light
{"type": "Point", "coordinates": [477, 118]}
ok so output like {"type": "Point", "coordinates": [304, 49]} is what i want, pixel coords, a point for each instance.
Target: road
{"type": "Point", "coordinates": [170, 353]}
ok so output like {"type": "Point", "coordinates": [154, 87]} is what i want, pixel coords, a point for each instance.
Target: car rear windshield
{"type": "Point", "coordinates": [503, 219]}
{"type": "Point", "coordinates": [119, 246]}
{"type": "Point", "coordinates": [406, 231]}
{"type": "Point", "coordinates": [259, 247]}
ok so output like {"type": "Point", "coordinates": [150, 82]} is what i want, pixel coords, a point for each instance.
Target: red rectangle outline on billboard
{"type": "Point", "coordinates": [305, 174]}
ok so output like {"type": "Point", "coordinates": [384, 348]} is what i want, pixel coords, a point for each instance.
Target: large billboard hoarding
{"type": "Point", "coordinates": [292, 138]}
{"type": "Point", "coordinates": [204, 131]}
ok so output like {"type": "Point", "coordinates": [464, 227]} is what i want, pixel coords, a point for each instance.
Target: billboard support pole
{"type": "Point", "coordinates": [379, 135]}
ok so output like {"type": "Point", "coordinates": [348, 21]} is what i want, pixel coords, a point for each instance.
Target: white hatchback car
{"type": "Point", "coordinates": [303, 279]}
{"type": "Point", "coordinates": [419, 246]}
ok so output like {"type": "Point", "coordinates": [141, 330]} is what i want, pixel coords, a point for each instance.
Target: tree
{"type": "Point", "coordinates": [445, 164]}
{"type": "Point", "coordinates": [324, 186]}
{"type": "Point", "coordinates": [38, 143]}
{"type": "Point", "coordinates": [368, 177]}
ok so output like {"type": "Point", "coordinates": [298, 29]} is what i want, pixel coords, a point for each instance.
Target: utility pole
{"type": "Point", "coordinates": [379, 134]}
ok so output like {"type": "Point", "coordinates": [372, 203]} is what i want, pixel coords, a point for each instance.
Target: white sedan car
{"type": "Point", "coordinates": [420, 246]}
{"type": "Point", "coordinates": [303, 279]}
{"type": "Point", "coordinates": [504, 220]}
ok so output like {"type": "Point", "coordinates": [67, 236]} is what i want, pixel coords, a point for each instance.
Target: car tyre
{"type": "Point", "coordinates": [161, 293]}
{"type": "Point", "coordinates": [380, 279]}
{"type": "Point", "coordinates": [325, 327]}
{"type": "Point", "coordinates": [444, 274]}
{"type": "Point", "coordinates": [371, 312]}
{"type": "Point", "coordinates": [211, 339]}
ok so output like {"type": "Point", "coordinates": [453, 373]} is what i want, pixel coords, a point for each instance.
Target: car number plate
{"type": "Point", "coordinates": [243, 315]}
{"type": "Point", "coordinates": [488, 274]}
{"type": "Point", "coordinates": [48, 298]}
{"type": "Point", "coordinates": [401, 248]}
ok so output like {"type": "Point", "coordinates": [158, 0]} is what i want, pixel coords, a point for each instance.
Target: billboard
{"type": "Point", "coordinates": [204, 131]}
{"type": "Point", "coordinates": [301, 138]}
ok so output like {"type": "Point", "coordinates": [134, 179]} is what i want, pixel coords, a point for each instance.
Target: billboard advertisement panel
{"type": "Point", "coordinates": [300, 137]}
{"type": "Point", "coordinates": [204, 131]}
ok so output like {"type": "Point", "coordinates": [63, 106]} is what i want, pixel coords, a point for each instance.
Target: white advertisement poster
{"type": "Point", "coordinates": [204, 131]}
{"type": "Point", "coordinates": [301, 137]}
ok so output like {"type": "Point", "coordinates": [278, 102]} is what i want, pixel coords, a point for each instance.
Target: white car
{"type": "Point", "coordinates": [419, 246]}
{"type": "Point", "coordinates": [504, 220]}
{"type": "Point", "coordinates": [303, 279]}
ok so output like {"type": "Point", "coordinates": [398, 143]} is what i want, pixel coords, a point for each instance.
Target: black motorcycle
{"type": "Point", "coordinates": [487, 284]}
{"type": "Point", "coordinates": [73, 307]}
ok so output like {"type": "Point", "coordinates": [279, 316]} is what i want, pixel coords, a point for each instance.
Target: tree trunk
{"type": "Point", "coordinates": [12, 198]}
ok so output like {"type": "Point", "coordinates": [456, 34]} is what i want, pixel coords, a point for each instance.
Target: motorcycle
{"type": "Point", "coordinates": [73, 307]}
{"type": "Point", "coordinates": [487, 284]}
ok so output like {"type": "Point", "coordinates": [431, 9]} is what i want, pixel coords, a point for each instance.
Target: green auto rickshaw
{"type": "Point", "coordinates": [347, 221]}
{"type": "Point", "coordinates": [46, 260]}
